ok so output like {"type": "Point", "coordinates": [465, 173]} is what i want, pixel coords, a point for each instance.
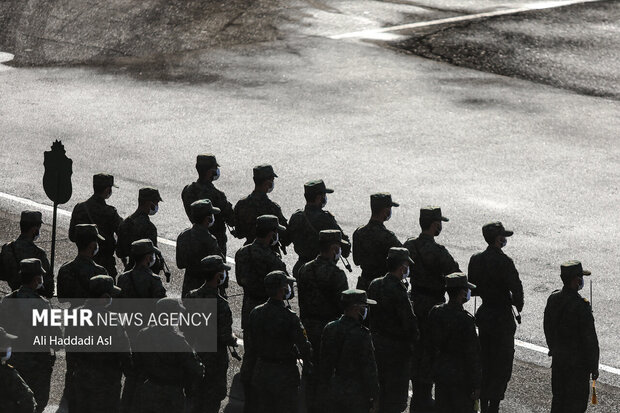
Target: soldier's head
{"type": "Point", "coordinates": [316, 192]}
{"type": "Point", "coordinates": [268, 229]}
{"type": "Point", "coordinates": [207, 167]}
{"type": "Point", "coordinates": [279, 285]}
{"type": "Point", "coordinates": [458, 288]}
{"type": "Point", "coordinates": [102, 288]}
{"type": "Point", "coordinates": [87, 239]}
{"type": "Point", "coordinates": [355, 303]}
{"type": "Point", "coordinates": [203, 212]}
{"type": "Point", "coordinates": [495, 234]}
{"type": "Point", "coordinates": [331, 244]}
{"type": "Point", "coordinates": [264, 176]}
{"type": "Point", "coordinates": [102, 185]}
{"type": "Point", "coordinates": [30, 224]}
{"type": "Point", "coordinates": [381, 206]}
{"type": "Point", "coordinates": [144, 252]}
{"type": "Point", "coordinates": [148, 200]}
{"type": "Point", "coordinates": [431, 220]}
{"type": "Point", "coordinates": [572, 274]}
{"type": "Point", "coordinates": [215, 270]}
{"type": "Point", "coordinates": [6, 345]}
{"type": "Point", "coordinates": [399, 262]}
{"type": "Point", "coordinates": [31, 273]}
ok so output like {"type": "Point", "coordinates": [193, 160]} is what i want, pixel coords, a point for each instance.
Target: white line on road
{"type": "Point", "coordinates": [372, 33]}
{"type": "Point", "coordinates": [36, 205]}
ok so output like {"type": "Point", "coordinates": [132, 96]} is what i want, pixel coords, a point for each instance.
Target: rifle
{"type": "Point", "coordinates": [165, 267]}
{"type": "Point", "coordinates": [346, 263]}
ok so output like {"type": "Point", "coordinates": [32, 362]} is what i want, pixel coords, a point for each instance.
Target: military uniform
{"type": "Point", "coordinates": [306, 224]}
{"type": "Point", "coordinates": [96, 211]}
{"type": "Point", "coordinates": [371, 244]}
{"type": "Point", "coordinates": [254, 205]}
{"type": "Point", "coordinates": [193, 245]}
{"type": "Point", "coordinates": [164, 375]}
{"type": "Point", "coordinates": [394, 330]}
{"type": "Point", "coordinates": [432, 262]}
{"type": "Point", "coordinates": [499, 286]}
{"type": "Point", "coordinates": [573, 344]}
{"type": "Point", "coordinates": [275, 340]}
{"type": "Point", "coordinates": [456, 367]}
{"type": "Point", "coordinates": [15, 395]}
{"type": "Point", "coordinates": [320, 284]}
{"type": "Point", "coordinates": [22, 248]}
{"type": "Point", "coordinates": [34, 367]}
{"type": "Point", "coordinates": [348, 371]}
{"type": "Point", "coordinates": [206, 190]}
{"type": "Point", "coordinates": [210, 392]}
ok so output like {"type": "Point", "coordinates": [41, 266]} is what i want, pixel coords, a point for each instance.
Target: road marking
{"type": "Point", "coordinates": [373, 33]}
{"type": "Point", "coordinates": [33, 204]}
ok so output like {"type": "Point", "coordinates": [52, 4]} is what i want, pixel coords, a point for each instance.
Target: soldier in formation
{"type": "Point", "coordinates": [572, 341]}
{"type": "Point", "coordinates": [140, 281]}
{"type": "Point", "coordinates": [15, 395]}
{"type": "Point", "coordinates": [499, 286]}
{"type": "Point", "coordinates": [96, 211]}
{"type": "Point", "coordinates": [372, 242]}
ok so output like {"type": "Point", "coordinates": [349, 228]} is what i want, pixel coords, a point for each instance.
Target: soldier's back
{"type": "Point", "coordinates": [251, 207]}
{"type": "Point", "coordinates": [16, 251]}
{"type": "Point", "coordinates": [73, 277]}
{"type": "Point", "coordinates": [140, 282]}
{"type": "Point", "coordinates": [371, 244]}
{"type": "Point", "coordinates": [15, 395]}
{"type": "Point", "coordinates": [320, 283]}
{"type": "Point", "coordinates": [392, 317]}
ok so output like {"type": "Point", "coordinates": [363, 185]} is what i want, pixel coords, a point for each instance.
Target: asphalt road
{"type": "Point", "coordinates": [543, 160]}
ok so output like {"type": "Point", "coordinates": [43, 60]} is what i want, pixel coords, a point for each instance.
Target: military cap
{"type": "Point", "coordinates": [493, 229]}
{"type": "Point", "coordinates": [214, 263]}
{"type": "Point", "coordinates": [354, 296]}
{"type": "Point", "coordinates": [103, 180]}
{"type": "Point", "coordinates": [31, 266]}
{"type": "Point", "coordinates": [382, 200]}
{"type": "Point", "coordinates": [458, 280]}
{"type": "Point", "coordinates": [571, 269]}
{"type": "Point", "coordinates": [203, 207]}
{"type": "Point", "coordinates": [206, 160]}
{"type": "Point", "coordinates": [277, 279]}
{"type": "Point", "coordinates": [399, 252]}
{"type": "Point", "coordinates": [169, 305]}
{"type": "Point", "coordinates": [331, 236]}
{"type": "Point", "coordinates": [32, 217]}
{"type": "Point", "coordinates": [316, 187]}
{"type": "Point", "coordinates": [6, 338]}
{"type": "Point", "coordinates": [264, 172]}
{"type": "Point", "coordinates": [149, 194]}
{"type": "Point", "coordinates": [88, 232]}
{"type": "Point", "coordinates": [269, 222]}
{"type": "Point", "coordinates": [102, 284]}
{"type": "Point", "coordinates": [143, 247]}
{"type": "Point", "coordinates": [432, 213]}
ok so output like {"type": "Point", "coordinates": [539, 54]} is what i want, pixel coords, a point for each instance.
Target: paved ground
{"type": "Point", "coordinates": [543, 160]}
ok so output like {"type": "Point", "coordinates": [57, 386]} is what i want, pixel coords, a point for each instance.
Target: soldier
{"type": "Point", "coordinates": [394, 330]}
{"type": "Point", "coordinates": [305, 225]}
{"type": "Point", "coordinates": [209, 171]}
{"type": "Point", "coordinates": [348, 369]}
{"type": "Point", "coordinates": [24, 247]}
{"type": "Point", "coordinates": [498, 284]}
{"type": "Point", "coordinates": [372, 242]}
{"type": "Point", "coordinates": [432, 262]}
{"type": "Point", "coordinates": [15, 395]}
{"type": "Point", "coordinates": [573, 344]}
{"type": "Point", "coordinates": [96, 381]}
{"type": "Point", "coordinates": [95, 211]}
{"type": "Point", "coordinates": [276, 339]}
{"type": "Point", "coordinates": [456, 360]}
{"type": "Point", "coordinates": [320, 285]}
{"type": "Point", "coordinates": [253, 263]}
{"type": "Point", "coordinates": [34, 367]}
{"type": "Point", "coordinates": [73, 276]}
{"type": "Point", "coordinates": [166, 374]}
{"type": "Point", "coordinates": [256, 204]}
{"type": "Point", "coordinates": [195, 243]}
{"type": "Point", "coordinates": [140, 282]}
{"type": "Point", "coordinates": [139, 226]}
{"type": "Point", "coordinates": [209, 393]}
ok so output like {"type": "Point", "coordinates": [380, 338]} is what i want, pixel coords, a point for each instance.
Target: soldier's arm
{"type": "Point", "coordinates": [472, 353]}
{"type": "Point", "coordinates": [371, 375]}
{"type": "Point", "coordinates": [187, 199]}
{"type": "Point", "coordinates": [409, 322]}
{"type": "Point", "coordinates": [48, 278]}
{"type": "Point", "coordinates": [157, 288]}
{"type": "Point", "coordinates": [447, 263]}
{"type": "Point", "coordinates": [590, 338]}
{"type": "Point", "coordinates": [514, 284]}
{"type": "Point", "coordinates": [473, 273]}
{"type": "Point", "coordinates": [224, 325]}
{"type": "Point", "coordinates": [339, 283]}
{"type": "Point", "coordinates": [116, 220]}
{"type": "Point", "coordinates": [357, 249]}
{"type": "Point", "coordinates": [227, 211]}
{"type": "Point", "coordinates": [301, 339]}
{"type": "Point", "coordinates": [329, 348]}
{"type": "Point", "coordinates": [548, 326]}
{"type": "Point", "coordinates": [181, 249]}
{"type": "Point", "coordinates": [73, 222]}
{"type": "Point", "coordinates": [392, 241]}
{"type": "Point", "coordinates": [21, 393]}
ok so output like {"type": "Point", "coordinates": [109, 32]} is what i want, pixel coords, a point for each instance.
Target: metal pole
{"type": "Point", "coordinates": [53, 251]}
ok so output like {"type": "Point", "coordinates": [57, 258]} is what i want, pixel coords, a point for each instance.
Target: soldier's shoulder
{"type": "Point", "coordinates": [100, 268]}
{"type": "Point", "coordinates": [67, 265]}
{"type": "Point", "coordinates": [409, 242]}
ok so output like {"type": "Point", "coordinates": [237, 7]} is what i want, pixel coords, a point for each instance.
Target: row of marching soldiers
{"type": "Point", "coordinates": [356, 356]}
